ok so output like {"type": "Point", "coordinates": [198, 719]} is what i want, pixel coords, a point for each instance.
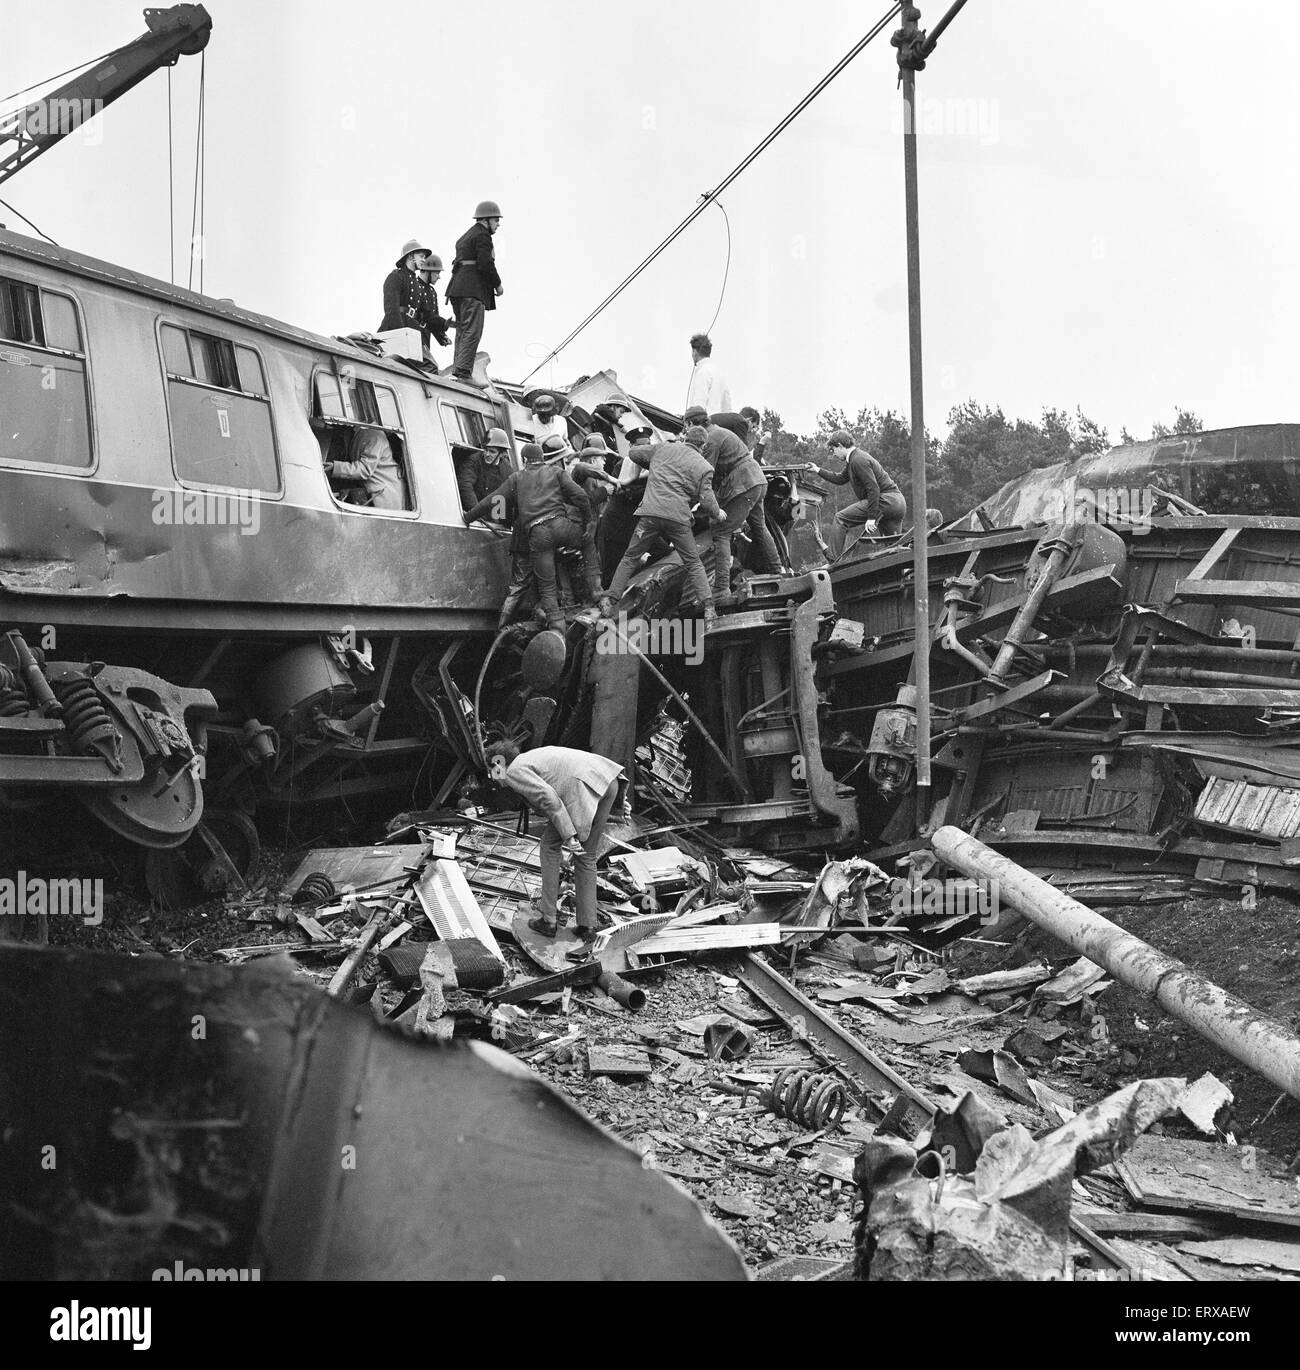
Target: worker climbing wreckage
{"type": "Point", "coordinates": [568, 825]}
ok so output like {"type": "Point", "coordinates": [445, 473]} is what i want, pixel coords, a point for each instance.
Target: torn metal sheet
{"type": "Point", "coordinates": [358, 868]}
{"type": "Point", "coordinates": [301, 1139]}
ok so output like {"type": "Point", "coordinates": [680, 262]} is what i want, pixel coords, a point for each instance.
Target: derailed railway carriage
{"type": "Point", "coordinates": [165, 509]}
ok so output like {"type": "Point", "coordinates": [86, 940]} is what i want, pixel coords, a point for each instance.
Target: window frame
{"type": "Point", "coordinates": [168, 376]}
{"type": "Point", "coordinates": [331, 424]}
{"type": "Point", "coordinates": [91, 467]}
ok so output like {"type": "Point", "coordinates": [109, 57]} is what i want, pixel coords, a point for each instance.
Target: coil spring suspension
{"type": "Point", "coordinates": [87, 720]}
{"type": "Point", "coordinates": [816, 1101]}
{"type": "Point", "coordinates": [315, 889]}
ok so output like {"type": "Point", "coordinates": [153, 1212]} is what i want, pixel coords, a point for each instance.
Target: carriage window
{"type": "Point", "coordinates": [44, 404]}
{"type": "Point", "coordinates": [363, 444]}
{"type": "Point", "coordinates": [221, 414]}
{"type": "Point", "coordinates": [465, 427]}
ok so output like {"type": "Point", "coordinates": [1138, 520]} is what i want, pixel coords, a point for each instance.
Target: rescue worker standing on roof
{"type": "Point", "coordinates": [680, 478]}
{"type": "Point", "coordinates": [475, 285]}
{"type": "Point", "coordinates": [879, 508]}
{"type": "Point", "coordinates": [411, 298]}
{"type": "Point", "coordinates": [542, 497]}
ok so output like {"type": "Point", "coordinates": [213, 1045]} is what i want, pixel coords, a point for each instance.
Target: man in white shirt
{"type": "Point", "coordinates": [547, 421]}
{"type": "Point", "coordinates": [708, 389]}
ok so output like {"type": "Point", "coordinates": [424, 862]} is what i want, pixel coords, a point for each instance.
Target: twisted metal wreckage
{"type": "Point", "coordinates": [1109, 678]}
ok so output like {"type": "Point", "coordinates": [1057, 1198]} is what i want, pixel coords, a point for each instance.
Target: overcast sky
{"type": "Point", "coordinates": [1108, 191]}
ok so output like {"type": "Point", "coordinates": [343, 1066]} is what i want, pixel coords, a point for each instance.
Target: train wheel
{"type": "Point", "coordinates": [205, 866]}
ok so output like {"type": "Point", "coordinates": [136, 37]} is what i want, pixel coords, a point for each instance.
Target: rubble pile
{"type": "Point", "coordinates": [796, 1047]}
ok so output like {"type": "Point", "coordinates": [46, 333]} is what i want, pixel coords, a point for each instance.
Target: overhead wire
{"type": "Point", "coordinates": [726, 268]}
{"type": "Point", "coordinates": [710, 196]}
{"type": "Point", "coordinates": [28, 222]}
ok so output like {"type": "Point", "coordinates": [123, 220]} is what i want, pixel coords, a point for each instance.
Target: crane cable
{"type": "Point", "coordinates": [171, 184]}
{"type": "Point", "coordinates": [710, 196]}
{"type": "Point", "coordinates": [196, 243]}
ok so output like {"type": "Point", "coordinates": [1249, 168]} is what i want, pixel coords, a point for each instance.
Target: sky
{"type": "Point", "coordinates": [1108, 193]}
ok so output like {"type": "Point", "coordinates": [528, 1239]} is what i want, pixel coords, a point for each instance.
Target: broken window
{"type": "Point", "coordinates": [362, 438]}
{"type": "Point", "coordinates": [44, 401]}
{"type": "Point", "coordinates": [466, 431]}
{"type": "Point", "coordinates": [222, 434]}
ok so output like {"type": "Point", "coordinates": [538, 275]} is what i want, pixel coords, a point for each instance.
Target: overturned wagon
{"type": "Point", "coordinates": [1113, 663]}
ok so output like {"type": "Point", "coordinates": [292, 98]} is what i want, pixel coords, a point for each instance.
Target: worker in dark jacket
{"type": "Point", "coordinates": [543, 497]}
{"type": "Point", "coordinates": [475, 285]}
{"type": "Point", "coordinates": [410, 295]}
{"type": "Point", "coordinates": [879, 508]}
{"type": "Point", "coordinates": [480, 472]}
{"type": "Point", "coordinates": [680, 479]}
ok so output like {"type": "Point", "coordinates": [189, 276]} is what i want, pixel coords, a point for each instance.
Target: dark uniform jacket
{"type": "Point", "coordinates": [868, 478]}
{"type": "Point", "coordinates": [537, 493]}
{"type": "Point", "coordinates": [411, 302]}
{"type": "Point", "coordinates": [474, 275]}
{"type": "Point", "coordinates": [477, 477]}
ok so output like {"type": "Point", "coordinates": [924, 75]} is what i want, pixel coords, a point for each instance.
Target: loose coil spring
{"type": "Point", "coordinates": [315, 889]}
{"type": "Point", "coordinates": [816, 1101]}
{"type": "Point", "coordinates": [87, 720]}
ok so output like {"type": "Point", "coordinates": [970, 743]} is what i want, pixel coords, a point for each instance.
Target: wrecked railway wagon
{"type": "Point", "coordinates": [165, 509]}
{"type": "Point", "coordinates": [1115, 689]}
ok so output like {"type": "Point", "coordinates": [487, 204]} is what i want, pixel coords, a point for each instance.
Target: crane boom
{"type": "Point", "coordinates": [173, 33]}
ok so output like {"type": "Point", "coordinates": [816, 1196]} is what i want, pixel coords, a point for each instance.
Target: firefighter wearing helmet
{"type": "Point", "coordinates": [474, 286]}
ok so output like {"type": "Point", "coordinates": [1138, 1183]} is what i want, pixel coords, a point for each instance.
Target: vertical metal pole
{"type": "Point", "coordinates": [920, 527]}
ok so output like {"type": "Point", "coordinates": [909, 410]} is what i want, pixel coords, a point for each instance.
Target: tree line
{"type": "Point", "coordinates": [981, 452]}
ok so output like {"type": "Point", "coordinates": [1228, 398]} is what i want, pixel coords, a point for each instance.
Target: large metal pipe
{"type": "Point", "coordinates": [1261, 1043]}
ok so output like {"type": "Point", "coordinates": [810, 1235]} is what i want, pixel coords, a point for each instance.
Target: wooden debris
{"type": "Point", "coordinates": [1164, 1172]}
{"type": "Point", "coordinates": [1149, 1227]}
{"type": "Point", "coordinates": [1259, 1251]}
{"type": "Point", "coordinates": [999, 981]}
{"type": "Point", "coordinates": [618, 1059]}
